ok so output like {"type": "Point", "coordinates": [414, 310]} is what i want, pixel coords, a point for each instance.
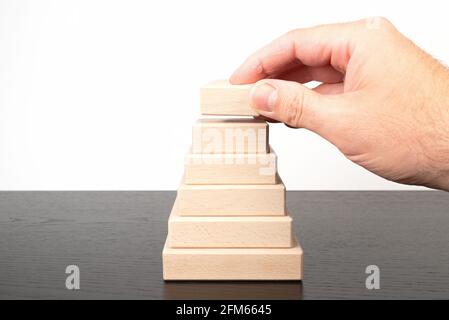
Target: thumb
{"type": "Point", "coordinates": [294, 104]}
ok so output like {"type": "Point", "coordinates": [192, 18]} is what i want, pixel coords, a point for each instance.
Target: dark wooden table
{"type": "Point", "coordinates": [116, 239]}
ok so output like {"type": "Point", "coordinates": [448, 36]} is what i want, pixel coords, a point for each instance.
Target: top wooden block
{"type": "Point", "coordinates": [222, 98]}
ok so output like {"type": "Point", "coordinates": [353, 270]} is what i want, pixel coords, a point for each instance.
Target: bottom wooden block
{"type": "Point", "coordinates": [233, 263]}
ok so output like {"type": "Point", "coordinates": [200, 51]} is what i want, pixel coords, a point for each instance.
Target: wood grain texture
{"type": "Point", "coordinates": [233, 264]}
{"type": "Point", "coordinates": [229, 232]}
{"type": "Point", "coordinates": [116, 239]}
{"type": "Point", "coordinates": [222, 98]}
{"type": "Point", "coordinates": [232, 199]}
{"type": "Point", "coordinates": [230, 168]}
{"type": "Point", "coordinates": [230, 135]}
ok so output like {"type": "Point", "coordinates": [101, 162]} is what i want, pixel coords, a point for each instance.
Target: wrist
{"type": "Point", "coordinates": [439, 144]}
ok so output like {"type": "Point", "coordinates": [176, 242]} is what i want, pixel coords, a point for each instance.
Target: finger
{"type": "Point", "coordinates": [318, 46]}
{"type": "Point", "coordinates": [306, 74]}
{"type": "Point", "coordinates": [330, 88]}
{"type": "Point", "coordinates": [296, 105]}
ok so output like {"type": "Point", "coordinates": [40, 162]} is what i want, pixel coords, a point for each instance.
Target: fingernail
{"type": "Point", "coordinates": [264, 97]}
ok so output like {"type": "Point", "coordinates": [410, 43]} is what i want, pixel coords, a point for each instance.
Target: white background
{"type": "Point", "coordinates": [103, 94]}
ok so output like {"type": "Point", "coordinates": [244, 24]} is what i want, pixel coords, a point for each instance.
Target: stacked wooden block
{"type": "Point", "coordinates": [229, 220]}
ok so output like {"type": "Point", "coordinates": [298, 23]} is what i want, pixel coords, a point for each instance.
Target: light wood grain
{"type": "Point", "coordinates": [222, 98]}
{"type": "Point", "coordinates": [232, 199]}
{"type": "Point", "coordinates": [229, 232]}
{"type": "Point", "coordinates": [233, 264]}
{"type": "Point", "coordinates": [230, 168]}
{"type": "Point", "coordinates": [230, 135]}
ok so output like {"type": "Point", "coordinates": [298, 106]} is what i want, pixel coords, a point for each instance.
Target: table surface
{"type": "Point", "coordinates": [116, 238]}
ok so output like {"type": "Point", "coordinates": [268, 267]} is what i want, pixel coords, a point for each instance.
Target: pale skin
{"type": "Point", "coordinates": [383, 102]}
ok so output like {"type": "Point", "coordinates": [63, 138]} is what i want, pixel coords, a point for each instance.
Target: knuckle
{"type": "Point", "coordinates": [384, 21]}
{"type": "Point", "coordinates": [378, 23]}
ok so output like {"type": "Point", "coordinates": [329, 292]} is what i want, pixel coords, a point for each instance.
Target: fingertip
{"type": "Point", "coordinates": [248, 72]}
{"type": "Point", "coordinates": [235, 78]}
{"type": "Point", "coordinates": [240, 76]}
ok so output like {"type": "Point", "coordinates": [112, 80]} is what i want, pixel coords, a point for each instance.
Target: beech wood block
{"type": "Point", "coordinates": [233, 263]}
{"type": "Point", "coordinates": [232, 199]}
{"type": "Point", "coordinates": [230, 168]}
{"type": "Point", "coordinates": [229, 232]}
{"type": "Point", "coordinates": [222, 98]}
{"type": "Point", "coordinates": [230, 135]}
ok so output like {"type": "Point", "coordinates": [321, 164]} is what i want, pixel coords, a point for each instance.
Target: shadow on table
{"type": "Point", "coordinates": [236, 290]}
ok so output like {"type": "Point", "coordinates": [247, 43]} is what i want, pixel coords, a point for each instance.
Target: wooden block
{"type": "Point", "coordinates": [230, 168]}
{"type": "Point", "coordinates": [232, 199]}
{"type": "Point", "coordinates": [224, 135]}
{"type": "Point", "coordinates": [222, 98]}
{"type": "Point", "coordinates": [233, 263]}
{"type": "Point", "coordinates": [229, 232]}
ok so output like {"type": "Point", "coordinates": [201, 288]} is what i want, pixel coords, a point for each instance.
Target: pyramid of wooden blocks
{"type": "Point", "coordinates": [229, 220]}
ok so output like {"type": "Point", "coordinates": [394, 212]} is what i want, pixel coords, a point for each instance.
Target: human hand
{"type": "Point", "coordinates": [383, 102]}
